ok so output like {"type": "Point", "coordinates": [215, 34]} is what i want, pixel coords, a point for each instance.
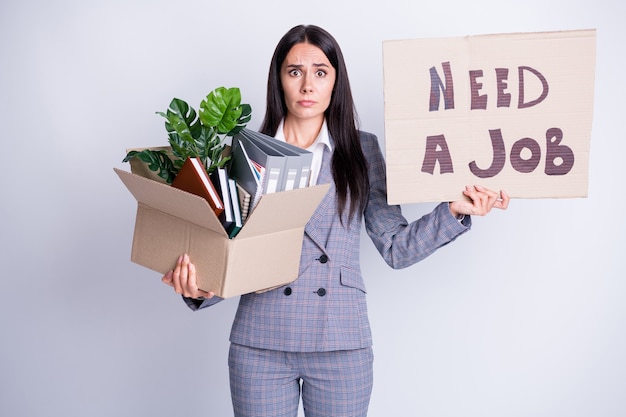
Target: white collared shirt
{"type": "Point", "coordinates": [317, 148]}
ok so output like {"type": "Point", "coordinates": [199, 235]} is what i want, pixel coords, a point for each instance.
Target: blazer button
{"type": "Point", "coordinates": [321, 292]}
{"type": "Point", "coordinates": [323, 259]}
{"type": "Point", "coordinates": [287, 291]}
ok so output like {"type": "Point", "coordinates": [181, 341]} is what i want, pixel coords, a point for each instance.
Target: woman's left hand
{"type": "Point", "coordinates": [481, 201]}
{"type": "Point", "coordinates": [183, 279]}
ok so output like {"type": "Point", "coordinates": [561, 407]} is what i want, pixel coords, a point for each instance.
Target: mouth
{"type": "Point", "coordinates": [306, 103]}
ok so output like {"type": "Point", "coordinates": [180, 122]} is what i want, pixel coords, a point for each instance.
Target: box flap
{"type": "Point", "coordinates": [168, 199]}
{"type": "Point", "coordinates": [283, 211]}
{"type": "Point", "coordinates": [252, 267]}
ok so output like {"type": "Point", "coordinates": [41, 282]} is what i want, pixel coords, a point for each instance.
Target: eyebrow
{"type": "Point", "coordinates": [301, 65]}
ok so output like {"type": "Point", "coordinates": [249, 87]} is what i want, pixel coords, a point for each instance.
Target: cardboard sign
{"type": "Point", "coordinates": [509, 112]}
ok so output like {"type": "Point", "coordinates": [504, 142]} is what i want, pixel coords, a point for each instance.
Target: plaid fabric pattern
{"type": "Point", "coordinates": [269, 383]}
{"type": "Point", "coordinates": [325, 308]}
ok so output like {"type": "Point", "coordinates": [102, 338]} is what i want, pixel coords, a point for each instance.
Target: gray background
{"type": "Point", "coordinates": [524, 316]}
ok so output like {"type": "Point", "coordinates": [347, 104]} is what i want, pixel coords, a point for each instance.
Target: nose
{"type": "Point", "coordinates": [306, 85]}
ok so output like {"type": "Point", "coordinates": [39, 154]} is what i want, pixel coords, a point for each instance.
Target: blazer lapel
{"type": "Point", "coordinates": [313, 227]}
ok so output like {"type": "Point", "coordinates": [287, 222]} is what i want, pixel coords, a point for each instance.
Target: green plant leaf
{"type": "Point", "coordinates": [244, 118]}
{"type": "Point", "coordinates": [201, 134]}
{"type": "Point", "coordinates": [221, 109]}
{"type": "Point", "coordinates": [183, 127]}
{"type": "Point", "coordinates": [207, 142]}
{"type": "Point", "coordinates": [156, 160]}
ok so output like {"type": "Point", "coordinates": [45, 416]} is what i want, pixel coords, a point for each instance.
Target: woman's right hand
{"type": "Point", "coordinates": [183, 279]}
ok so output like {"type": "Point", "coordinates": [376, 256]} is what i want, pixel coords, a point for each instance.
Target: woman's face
{"type": "Point", "coordinates": [308, 80]}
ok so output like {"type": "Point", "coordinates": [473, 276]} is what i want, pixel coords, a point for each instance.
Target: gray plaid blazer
{"type": "Point", "coordinates": [325, 308]}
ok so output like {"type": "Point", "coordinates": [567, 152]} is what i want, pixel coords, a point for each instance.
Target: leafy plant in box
{"type": "Point", "coordinates": [200, 134]}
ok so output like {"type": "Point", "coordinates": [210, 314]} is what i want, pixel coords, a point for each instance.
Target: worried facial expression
{"type": "Point", "coordinates": [308, 79]}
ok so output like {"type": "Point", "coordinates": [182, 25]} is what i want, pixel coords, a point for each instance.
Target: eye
{"type": "Point", "coordinates": [295, 72]}
{"type": "Point", "coordinates": [320, 73]}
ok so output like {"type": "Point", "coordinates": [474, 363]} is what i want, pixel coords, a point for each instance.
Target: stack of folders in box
{"type": "Point", "coordinates": [259, 164]}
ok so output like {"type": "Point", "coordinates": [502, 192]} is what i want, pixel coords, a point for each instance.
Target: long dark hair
{"type": "Point", "coordinates": [348, 165]}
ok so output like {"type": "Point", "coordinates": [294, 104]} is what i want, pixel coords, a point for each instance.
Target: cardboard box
{"type": "Point", "coordinates": [264, 254]}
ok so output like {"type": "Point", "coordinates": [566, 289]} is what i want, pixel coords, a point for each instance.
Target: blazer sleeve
{"type": "Point", "coordinates": [196, 304]}
{"type": "Point", "coordinates": [401, 243]}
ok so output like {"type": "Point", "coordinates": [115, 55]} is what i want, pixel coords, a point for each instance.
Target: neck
{"type": "Point", "coordinates": [302, 133]}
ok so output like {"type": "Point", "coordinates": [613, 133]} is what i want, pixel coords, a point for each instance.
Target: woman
{"type": "Point", "coordinates": [312, 337]}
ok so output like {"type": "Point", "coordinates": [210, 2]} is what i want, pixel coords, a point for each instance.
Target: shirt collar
{"type": "Point", "coordinates": [323, 138]}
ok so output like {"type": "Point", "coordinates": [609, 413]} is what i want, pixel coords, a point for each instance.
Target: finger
{"type": "Point", "coordinates": [184, 275]}
{"type": "Point", "coordinates": [470, 207]}
{"type": "Point", "coordinates": [491, 195]}
{"type": "Point", "coordinates": [168, 278]}
{"type": "Point", "coordinates": [503, 202]}
{"type": "Point", "coordinates": [497, 200]}
{"type": "Point", "coordinates": [471, 193]}
{"type": "Point", "coordinates": [479, 200]}
{"type": "Point", "coordinates": [176, 275]}
{"type": "Point", "coordinates": [480, 193]}
{"type": "Point", "coordinates": [190, 287]}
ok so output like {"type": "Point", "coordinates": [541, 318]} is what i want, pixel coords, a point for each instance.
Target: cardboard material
{"type": "Point", "coordinates": [265, 253]}
{"type": "Point", "coordinates": [509, 111]}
